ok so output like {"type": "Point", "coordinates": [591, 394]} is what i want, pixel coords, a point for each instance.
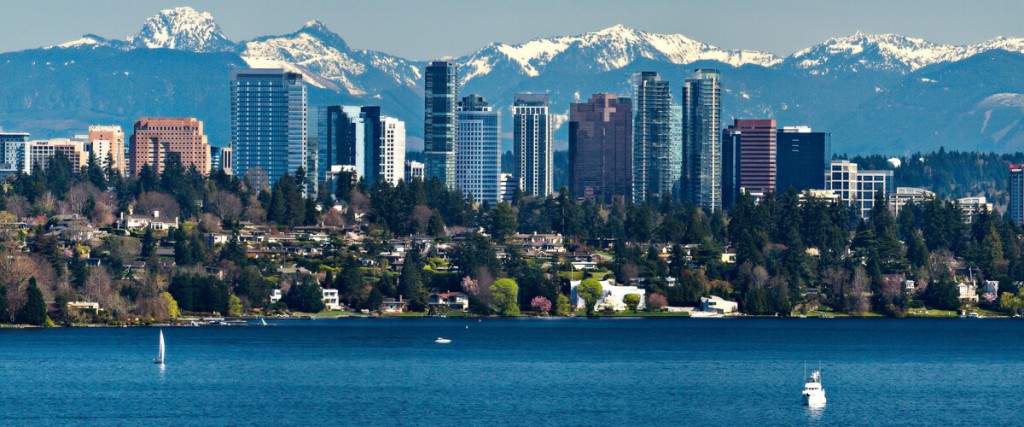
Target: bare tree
{"type": "Point", "coordinates": [857, 297]}
{"type": "Point", "coordinates": [99, 287]}
{"type": "Point", "coordinates": [225, 205]}
{"type": "Point", "coordinates": [152, 201]}
{"type": "Point", "coordinates": [102, 214]}
{"type": "Point", "coordinates": [256, 179]}
{"type": "Point", "coordinates": [79, 195]}
{"type": "Point", "coordinates": [17, 206]}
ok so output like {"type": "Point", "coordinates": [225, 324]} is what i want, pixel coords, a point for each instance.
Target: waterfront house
{"type": "Point", "coordinates": [717, 304]}
{"type": "Point", "coordinates": [330, 298]}
{"type": "Point", "coordinates": [612, 295]}
{"type": "Point", "coordinates": [450, 301]}
{"type": "Point", "coordinates": [968, 291]}
{"type": "Point", "coordinates": [391, 305]}
{"type": "Point", "coordinates": [275, 296]}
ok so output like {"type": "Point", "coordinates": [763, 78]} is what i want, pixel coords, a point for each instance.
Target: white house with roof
{"type": "Point", "coordinates": [142, 222]}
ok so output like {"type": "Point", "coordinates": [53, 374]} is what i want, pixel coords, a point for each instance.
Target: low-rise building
{"type": "Point", "coordinates": [968, 292]}
{"type": "Point", "coordinates": [391, 305]}
{"type": "Point", "coordinates": [717, 304]}
{"type": "Point", "coordinates": [330, 298]}
{"type": "Point", "coordinates": [450, 301]}
{"type": "Point", "coordinates": [142, 222]}
{"type": "Point", "coordinates": [612, 296]}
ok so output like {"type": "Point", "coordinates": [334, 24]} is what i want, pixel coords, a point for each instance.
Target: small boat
{"type": "Point", "coordinates": [160, 354]}
{"type": "Point", "coordinates": [440, 340]}
{"type": "Point", "coordinates": [263, 322]}
{"type": "Point", "coordinates": [814, 393]}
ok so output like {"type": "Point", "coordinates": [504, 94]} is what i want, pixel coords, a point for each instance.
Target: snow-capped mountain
{"type": "Point", "coordinates": [605, 50]}
{"type": "Point", "coordinates": [182, 28]}
{"type": "Point", "coordinates": [888, 52]}
{"type": "Point", "coordinates": [874, 91]}
{"type": "Point", "coordinates": [327, 62]}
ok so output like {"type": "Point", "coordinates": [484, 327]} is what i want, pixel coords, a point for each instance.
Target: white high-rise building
{"type": "Point", "coordinates": [392, 151]}
{"type": "Point", "coordinates": [532, 144]}
{"type": "Point", "coordinates": [478, 150]}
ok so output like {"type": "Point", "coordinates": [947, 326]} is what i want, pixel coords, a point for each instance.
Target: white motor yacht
{"type": "Point", "coordinates": [814, 393]}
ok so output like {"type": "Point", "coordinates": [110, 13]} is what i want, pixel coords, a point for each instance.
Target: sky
{"type": "Point", "coordinates": [423, 30]}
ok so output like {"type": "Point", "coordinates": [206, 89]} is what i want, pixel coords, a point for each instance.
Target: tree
{"type": "Point", "coordinates": [943, 295]}
{"type": "Point", "coordinates": [305, 296]}
{"type": "Point", "coordinates": [541, 304]}
{"type": "Point", "coordinates": [234, 306]}
{"type": "Point", "coordinates": [503, 222]}
{"type": "Point", "coordinates": [505, 297]}
{"type": "Point", "coordinates": [656, 302]}
{"type": "Point", "coordinates": [170, 305]}
{"type": "Point", "coordinates": [34, 311]}
{"type": "Point", "coordinates": [562, 309]}
{"type": "Point", "coordinates": [591, 291]}
{"type": "Point", "coordinates": [631, 301]}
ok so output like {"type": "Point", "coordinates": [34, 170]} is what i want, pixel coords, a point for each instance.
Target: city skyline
{"type": "Point", "coordinates": [947, 22]}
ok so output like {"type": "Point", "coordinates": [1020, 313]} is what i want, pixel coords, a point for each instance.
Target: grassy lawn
{"type": "Point", "coordinates": [930, 312]}
{"type": "Point", "coordinates": [640, 314]}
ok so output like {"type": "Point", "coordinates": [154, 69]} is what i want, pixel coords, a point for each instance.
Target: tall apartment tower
{"type": "Point", "coordinates": [748, 159]}
{"type": "Point", "coordinates": [478, 155]}
{"type": "Point", "coordinates": [154, 138]}
{"type": "Point", "coordinates": [390, 160]}
{"type": "Point", "coordinates": [106, 144]}
{"type": "Point", "coordinates": [702, 130]}
{"type": "Point", "coordinates": [1016, 205]}
{"type": "Point", "coordinates": [532, 144]}
{"type": "Point", "coordinates": [440, 122]}
{"type": "Point", "coordinates": [653, 176]}
{"type": "Point", "coordinates": [802, 156]}
{"type": "Point", "coordinates": [601, 148]}
{"type": "Point", "coordinates": [268, 123]}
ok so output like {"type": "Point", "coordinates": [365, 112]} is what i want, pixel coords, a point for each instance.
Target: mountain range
{"type": "Point", "coordinates": [887, 93]}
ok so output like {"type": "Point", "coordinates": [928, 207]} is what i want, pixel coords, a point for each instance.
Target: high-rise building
{"type": "Point", "coordinates": [601, 148]}
{"type": "Point", "coordinates": [702, 129]}
{"type": "Point", "coordinates": [509, 187]}
{"type": "Point", "coordinates": [220, 159]}
{"type": "Point", "coordinates": [653, 175]}
{"type": "Point", "coordinates": [1015, 206]}
{"type": "Point", "coordinates": [106, 144]}
{"type": "Point", "coordinates": [904, 196]}
{"type": "Point", "coordinates": [390, 162]}
{"type": "Point", "coordinates": [748, 159]}
{"type": "Point", "coordinates": [802, 157]}
{"type": "Point", "coordinates": [268, 123]}
{"type": "Point", "coordinates": [478, 151]}
{"type": "Point", "coordinates": [12, 150]}
{"type": "Point", "coordinates": [154, 138]}
{"type": "Point", "coordinates": [858, 188]}
{"type": "Point", "coordinates": [414, 170]}
{"type": "Point", "coordinates": [362, 138]}
{"type": "Point", "coordinates": [440, 123]}
{"type": "Point", "coordinates": [341, 135]}
{"type": "Point", "coordinates": [532, 143]}
{"type": "Point", "coordinates": [39, 153]}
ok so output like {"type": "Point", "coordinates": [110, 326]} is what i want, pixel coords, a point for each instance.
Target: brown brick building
{"type": "Point", "coordinates": [156, 137]}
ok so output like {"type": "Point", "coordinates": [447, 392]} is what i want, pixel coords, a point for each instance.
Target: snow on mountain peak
{"type": "Point", "coordinates": [889, 52]}
{"type": "Point", "coordinates": [607, 49]}
{"type": "Point", "coordinates": [182, 28]}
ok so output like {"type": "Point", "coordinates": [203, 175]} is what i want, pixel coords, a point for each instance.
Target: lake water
{"type": "Point", "coordinates": [519, 372]}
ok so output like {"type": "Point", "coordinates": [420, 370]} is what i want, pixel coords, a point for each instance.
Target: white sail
{"type": "Point", "coordinates": [160, 355]}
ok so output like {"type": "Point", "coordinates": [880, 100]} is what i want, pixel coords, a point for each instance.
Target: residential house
{"type": "Point", "coordinates": [391, 305]}
{"type": "Point", "coordinates": [330, 298]}
{"type": "Point", "coordinates": [450, 301]}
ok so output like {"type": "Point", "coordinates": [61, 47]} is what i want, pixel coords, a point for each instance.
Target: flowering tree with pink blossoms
{"type": "Point", "coordinates": [541, 304]}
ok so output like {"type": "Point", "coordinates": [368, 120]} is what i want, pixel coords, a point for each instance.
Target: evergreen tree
{"type": "Point", "coordinates": [34, 311]}
{"type": "Point", "coordinates": [95, 172]}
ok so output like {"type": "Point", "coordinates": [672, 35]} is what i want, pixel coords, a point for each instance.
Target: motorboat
{"type": "Point", "coordinates": [440, 340]}
{"type": "Point", "coordinates": [814, 393]}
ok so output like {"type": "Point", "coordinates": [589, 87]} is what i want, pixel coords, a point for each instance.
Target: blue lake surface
{"type": "Point", "coordinates": [519, 372]}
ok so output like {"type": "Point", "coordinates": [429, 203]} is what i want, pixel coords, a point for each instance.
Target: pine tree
{"type": "Point", "coordinates": [34, 311]}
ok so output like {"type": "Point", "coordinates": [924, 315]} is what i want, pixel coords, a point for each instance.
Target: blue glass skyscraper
{"type": "Point", "coordinates": [268, 123]}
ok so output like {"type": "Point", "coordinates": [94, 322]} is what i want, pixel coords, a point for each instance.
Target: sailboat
{"type": "Point", "coordinates": [263, 322]}
{"type": "Point", "coordinates": [160, 355]}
